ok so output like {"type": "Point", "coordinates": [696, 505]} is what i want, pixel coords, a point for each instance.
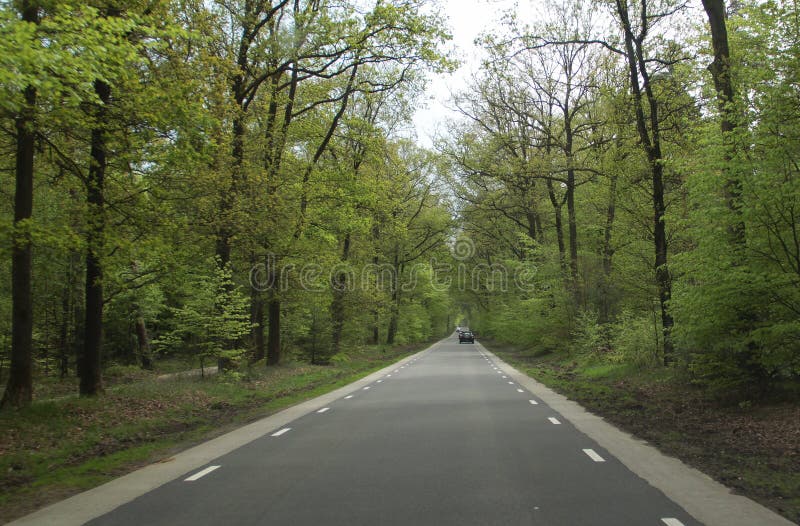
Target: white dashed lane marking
{"type": "Point", "coordinates": [324, 410]}
{"type": "Point", "coordinates": [281, 432]}
{"type": "Point", "coordinates": [593, 455]}
{"type": "Point", "coordinates": [199, 474]}
{"type": "Point", "coordinates": [554, 420]}
{"type": "Point", "coordinates": [348, 397]}
{"type": "Point", "coordinates": [672, 522]}
{"type": "Point", "coordinates": [367, 387]}
{"type": "Point", "coordinates": [533, 402]}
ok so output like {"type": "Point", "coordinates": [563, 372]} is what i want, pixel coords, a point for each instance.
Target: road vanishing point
{"type": "Point", "coordinates": [449, 436]}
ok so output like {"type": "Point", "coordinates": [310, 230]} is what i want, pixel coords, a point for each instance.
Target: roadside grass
{"type": "Point", "coordinates": [753, 449]}
{"type": "Point", "coordinates": [65, 444]}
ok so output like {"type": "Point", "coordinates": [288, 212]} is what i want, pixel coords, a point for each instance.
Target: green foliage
{"type": "Point", "coordinates": [211, 319]}
{"type": "Point", "coordinates": [637, 339]}
{"type": "Point", "coordinates": [736, 311]}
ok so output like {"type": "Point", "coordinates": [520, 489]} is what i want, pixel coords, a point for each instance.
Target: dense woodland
{"type": "Point", "coordinates": [236, 181]}
{"type": "Point", "coordinates": [639, 160]}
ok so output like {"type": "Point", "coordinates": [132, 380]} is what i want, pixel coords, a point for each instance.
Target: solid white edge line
{"type": "Point", "coordinates": [281, 432]}
{"type": "Point", "coordinates": [554, 420]}
{"type": "Point", "coordinates": [593, 455]}
{"type": "Point", "coordinates": [672, 522]}
{"type": "Point", "coordinates": [199, 474]}
{"type": "Point", "coordinates": [324, 410]}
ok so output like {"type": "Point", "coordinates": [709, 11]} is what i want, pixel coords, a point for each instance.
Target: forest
{"type": "Point", "coordinates": [238, 182]}
{"type": "Point", "coordinates": [636, 163]}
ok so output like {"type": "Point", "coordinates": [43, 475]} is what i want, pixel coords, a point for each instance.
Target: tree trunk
{"type": "Point", "coordinates": [274, 336]}
{"type": "Point", "coordinates": [143, 344]}
{"type": "Point", "coordinates": [339, 290]}
{"type": "Point", "coordinates": [570, 198]}
{"type": "Point", "coordinates": [533, 219]}
{"type": "Point", "coordinates": [394, 316]}
{"type": "Point", "coordinates": [19, 389]}
{"type": "Point", "coordinates": [608, 254]}
{"type": "Point", "coordinates": [573, 237]}
{"type": "Point", "coordinates": [257, 321]}
{"type": "Point", "coordinates": [562, 252]}
{"type": "Point", "coordinates": [63, 343]}
{"type": "Point", "coordinates": [650, 137]}
{"type": "Point", "coordinates": [720, 70]}
{"type": "Point", "coordinates": [89, 369]}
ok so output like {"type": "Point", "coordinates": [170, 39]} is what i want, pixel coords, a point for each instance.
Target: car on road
{"type": "Point", "coordinates": [466, 336]}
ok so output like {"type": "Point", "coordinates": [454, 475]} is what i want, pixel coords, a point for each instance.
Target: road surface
{"type": "Point", "coordinates": [446, 439]}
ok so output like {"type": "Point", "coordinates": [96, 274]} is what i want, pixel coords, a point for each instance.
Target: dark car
{"type": "Point", "coordinates": [466, 336]}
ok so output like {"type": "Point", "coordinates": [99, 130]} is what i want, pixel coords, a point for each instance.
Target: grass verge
{"type": "Point", "coordinates": [64, 445]}
{"type": "Point", "coordinates": [753, 449]}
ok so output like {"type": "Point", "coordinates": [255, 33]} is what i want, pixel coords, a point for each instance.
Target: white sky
{"type": "Point", "coordinates": [467, 19]}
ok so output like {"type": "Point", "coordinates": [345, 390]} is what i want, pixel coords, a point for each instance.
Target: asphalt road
{"type": "Point", "coordinates": [449, 438]}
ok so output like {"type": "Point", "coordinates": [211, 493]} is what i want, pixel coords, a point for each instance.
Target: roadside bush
{"type": "Point", "coordinates": [589, 337]}
{"type": "Point", "coordinates": [636, 340]}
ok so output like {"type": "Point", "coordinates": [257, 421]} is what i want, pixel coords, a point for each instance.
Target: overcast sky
{"type": "Point", "coordinates": [467, 19]}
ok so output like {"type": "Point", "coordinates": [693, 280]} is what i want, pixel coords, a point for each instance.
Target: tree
{"type": "Point", "coordinates": [19, 389]}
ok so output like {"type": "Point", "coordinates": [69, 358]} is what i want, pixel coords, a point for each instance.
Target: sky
{"type": "Point", "coordinates": [467, 19]}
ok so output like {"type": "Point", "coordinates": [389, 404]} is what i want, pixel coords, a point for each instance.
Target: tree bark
{"type": "Point", "coordinates": [720, 70]}
{"type": "Point", "coordinates": [562, 251]}
{"type": "Point", "coordinates": [143, 344]}
{"type": "Point", "coordinates": [339, 290]}
{"type": "Point", "coordinates": [19, 388]}
{"type": "Point", "coordinates": [89, 369]}
{"type": "Point", "coordinates": [394, 316]}
{"type": "Point", "coordinates": [608, 253]}
{"type": "Point", "coordinates": [274, 335]}
{"type": "Point", "coordinates": [650, 137]}
{"type": "Point", "coordinates": [257, 321]}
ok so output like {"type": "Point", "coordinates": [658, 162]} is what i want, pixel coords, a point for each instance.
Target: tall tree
{"type": "Point", "coordinates": [648, 125]}
{"type": "Point", "coordinates": [19, 389]}
{"type": "Point", "coordinates": [89, 361]}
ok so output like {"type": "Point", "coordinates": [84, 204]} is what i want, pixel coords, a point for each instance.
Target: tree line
{"type": "Point", "coordinates": [168, 162]}
{"type": "Point", "coordinates": [638, 159]}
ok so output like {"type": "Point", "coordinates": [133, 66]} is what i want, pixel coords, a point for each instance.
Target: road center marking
{"type": "Point", "coordinates": [672, 522]}
{"type": "Point", "coordinates": [282, 432]}
{"type": "Point", "coordinates": [324, 410]}
{"type": "Point", "coordinates": [593, 455]}
{"type": "Point", "coordinates": [554, 420]}
{"type": "Point", "coordinates": [199, 474]}
{"type": "Point", "coordinates": [533, 402]}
